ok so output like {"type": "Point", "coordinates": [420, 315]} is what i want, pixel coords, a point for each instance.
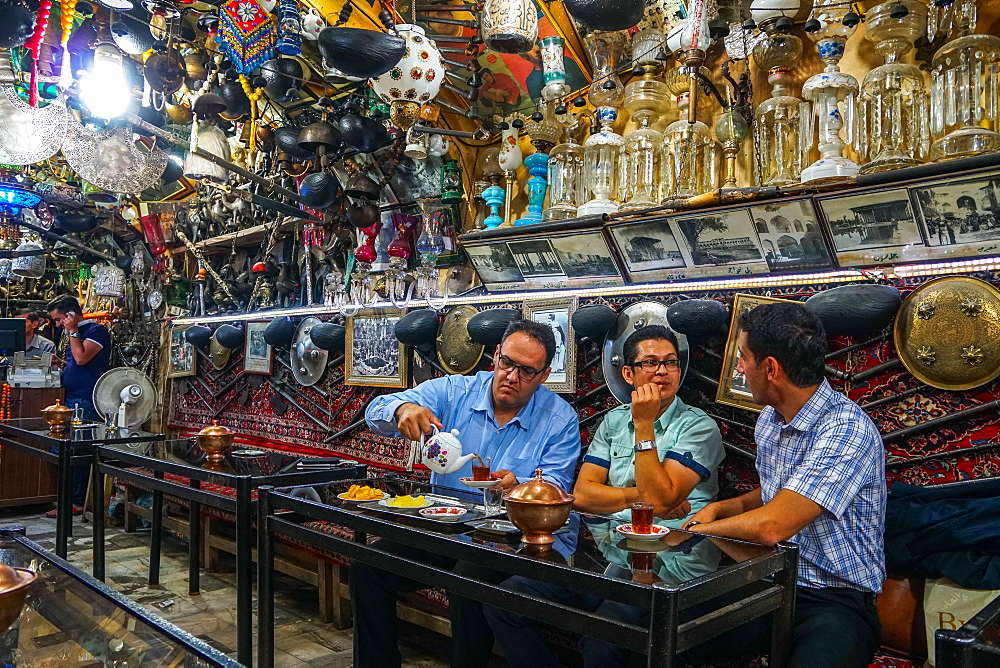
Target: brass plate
{"type": "Point", "coordinates": [218, 353]}
{"type": "Point", "coordinates": [456, 351]}
{"type": "Point", "coordinates": [947, 333]}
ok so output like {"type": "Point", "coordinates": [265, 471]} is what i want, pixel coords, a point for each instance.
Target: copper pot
{"type": "Point", "coordinates": [215, 440]}
{"type": "Point", "coordinates": [14, 583]}
{"type": "Point", "coordinates": [58, 417]}
{"type": "Point", "coordinates": [538, 508]}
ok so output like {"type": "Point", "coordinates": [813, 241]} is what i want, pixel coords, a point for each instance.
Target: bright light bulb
{"type": "Point", "coordinates": [104, 89]}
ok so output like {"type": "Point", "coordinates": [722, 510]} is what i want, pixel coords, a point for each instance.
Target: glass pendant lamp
{"type": "Point", "coordinates": [964, 74]}
{"type": "Point", "coordinates": [892, 110]}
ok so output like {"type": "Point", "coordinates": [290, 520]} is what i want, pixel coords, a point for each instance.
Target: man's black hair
{"type": "Point", "coordinates": [647, 333]}
{"type": "Point", "coordinates": [791, 334]}
{"type": "Point", "coordinates": [536, 330]}
{"type": "Point", "coordinates": [65, 304]}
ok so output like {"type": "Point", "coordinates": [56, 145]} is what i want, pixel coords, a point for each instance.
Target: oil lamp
{"type": "Point", "coordinates": [566, 186]}
{"type": "Point", "coordinates": [602, 149]}
{"type": "Point", "coordinates": [645, 99]}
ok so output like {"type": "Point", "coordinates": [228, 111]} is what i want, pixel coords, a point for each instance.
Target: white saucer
{"type": "Point", "coordinates": [443, 512]}
{"type": "Point", "coordinates": [477, 484]}
{"type": "Point", "coordinates": [658, 533]}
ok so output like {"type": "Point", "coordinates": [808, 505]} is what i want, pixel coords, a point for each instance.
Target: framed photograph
{"type": "Point", "coordinates": [258, 357]}
{"type": "Point", "coordinates": [873, 228]}
{"type": "Point", "coordinates": [495, 264]}
{"type": "Point", "coordinates": [722, 239]}
{"type": "Point", "coordinates": [585, 255]}
{"type": "Point", "coordinates": [733, 389]}
{"type": "Point", "coordinates": [650, 251]}
{"type": "Point", "coordinates": [536, 257]}
{"type": "Point", "coordinates": [960, 218]}
{"type": "Point", "coordinates": [183, 356]}
{"type": "Point", "coordinates": [791, 236]}
{"type": "Point", "coordinates": [374, 356]}
{"type": "Point", "coordinates": [557, 314]}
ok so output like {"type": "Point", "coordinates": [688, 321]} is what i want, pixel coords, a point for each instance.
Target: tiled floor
{"type": "Point", "coordinates": [300, 639]}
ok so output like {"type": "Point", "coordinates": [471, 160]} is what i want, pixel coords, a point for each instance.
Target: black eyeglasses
{"type": "Point", "coordinates": [525, 372]}
{"type": "Point", "coordinates": [652, 366]}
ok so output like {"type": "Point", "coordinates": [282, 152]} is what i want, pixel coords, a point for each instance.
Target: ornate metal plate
{"type": "Point", "coordinates": [947, 333]}
{"type": "Point", "coordinates": [218, 353]}
{"type": "Point", "coordinates": [456, 351]}
{"type": "Point", "coordinates": [629, 320]}
{"type": "Point", "coordinates": [29, 135]}
{"type": "Point", "coordinates": [110, 160]}
{"type": "Point", "coordinates": [308, 361]}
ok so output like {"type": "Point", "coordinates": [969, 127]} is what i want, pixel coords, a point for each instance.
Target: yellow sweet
{"type": "Point", "coordinates": [407, 501]}
{"type": "Point", "coordinates": [362, 493]}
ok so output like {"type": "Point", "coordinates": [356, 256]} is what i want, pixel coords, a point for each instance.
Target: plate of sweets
{"type": "Point", "coordinates": [655, 532]}
{"type": "Point", "coordinates": [406, 501]}
{"type": "Point", "coordinates": [359, 493]}
{"type": "Point", "coordinates": [443, 513]}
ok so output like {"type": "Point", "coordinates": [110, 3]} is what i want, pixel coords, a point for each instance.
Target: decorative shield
{"type": "Point", "coordinates": [632, 318]}
{"type": "Point", "coordinates": [218, 353]}
{"type": "Point", "coordinates": [308, 359]}
{"type": "Point", "coordinates": [947, 333]}
{"type": "Point", "coordinates": [456, 351]}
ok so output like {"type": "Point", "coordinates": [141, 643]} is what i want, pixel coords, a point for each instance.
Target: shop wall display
{"type": "Point", "coordinates": [183, 356]}
{"type": "Point", "coordinates": [557, 314]}
{"type": "Point", "coordinates": [258, 357]}
{"type": "Point", "coordinates": [873, 228]}
{"type": "Point", "coordinates": [373, 354]}
{"type": "Point", "coordinates": [791, 235]}
{"type": "Point", "coordinates": [733, 388]}
{"type": "Point", "coordinates": [571, 260]}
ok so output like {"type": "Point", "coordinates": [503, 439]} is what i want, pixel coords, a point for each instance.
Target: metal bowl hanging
{"type": "Point", "coordinates": [456, 351]}
{"type": "Point", "coordinates": [30, 260]}
{"type": "Point", "coordinates": [165, 72]}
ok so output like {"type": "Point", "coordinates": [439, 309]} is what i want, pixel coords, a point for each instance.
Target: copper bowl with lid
{"type": "Point", "coordinates": [215, 440]}
{"type": "Point", "coordinates": [538, 507]}
{"type": "Point", "coordinates": [14, 583]}
{"type": "Point", "coordinates": [58, 417]}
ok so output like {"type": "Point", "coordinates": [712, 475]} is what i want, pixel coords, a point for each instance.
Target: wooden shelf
{"type": "Point", "coordinates": [250, 236]}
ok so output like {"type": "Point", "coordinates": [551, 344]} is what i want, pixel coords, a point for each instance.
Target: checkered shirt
{"type": "Point", "coordinates": [831, 453]}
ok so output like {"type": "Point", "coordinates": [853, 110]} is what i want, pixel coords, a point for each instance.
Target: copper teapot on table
{"type": "Point", "coordinates": [538, 508]}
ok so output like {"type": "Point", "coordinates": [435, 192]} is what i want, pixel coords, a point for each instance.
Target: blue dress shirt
{"type": "Point", "coordinates": [544, 434]}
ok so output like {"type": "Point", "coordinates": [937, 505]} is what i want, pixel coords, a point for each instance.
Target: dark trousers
{"type": "Point", "coordinates": [80, 475]}
{"type": "Point", "coordinates": [834, 628]}
{"type": "Point", "coordinates": [521, 640]}
{"type": "Point", "coordinates": [373, 602]}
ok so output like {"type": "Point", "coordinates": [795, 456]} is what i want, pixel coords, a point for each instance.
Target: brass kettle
{"type": "Point", "coordinates": [538, 508]}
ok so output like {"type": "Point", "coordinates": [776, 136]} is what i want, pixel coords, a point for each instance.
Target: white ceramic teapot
{"type": "Point", "coordinates": [312, 24]}
{"type": "Point", "coordinates": [442, 452]}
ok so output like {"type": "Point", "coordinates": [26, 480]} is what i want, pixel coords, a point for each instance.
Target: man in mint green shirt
{"type": "Point", "coordinates": [657, 450]}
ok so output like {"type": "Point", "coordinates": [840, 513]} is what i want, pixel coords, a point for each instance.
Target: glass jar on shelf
{"type": "Point", "coordinates": [964, 80]}
{"type": "Point", "coordinates": [892, 108]}
{"type": "Point", "coordinates": [566, 186]}
{"type": "Point", "coordinates": [690, 157]}
{"type": "Point", "coordinates": [646, 98]}
{"type": "Point", "coordinates": [601, 154]}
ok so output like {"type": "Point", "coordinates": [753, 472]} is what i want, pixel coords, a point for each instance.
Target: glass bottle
{"type": "Point", "coordinates": [605, 49]}
{"type": "Point", "coordinates": [779, 138]}
{"type": "Point", "coordinates": [690, 157]}
{"type": "Point", "coordinates": [964, 75]}
{"type": "Point", "coordinates": [602, 149]}
{"type": "Point", "coordinates": [645, 100]}
{"type": "Point", "coordinates": [892, 109]}
{"type": "Point", "coordinates": [833, 95]}
{"type": "Point", "coordinates": [566, 186]}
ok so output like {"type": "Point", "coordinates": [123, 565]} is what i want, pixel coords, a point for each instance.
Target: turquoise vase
{"type": "Point", "coordinates": [538, 167]}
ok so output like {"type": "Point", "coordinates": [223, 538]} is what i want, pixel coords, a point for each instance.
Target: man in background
{"type": "Point", "coordinates": [34, 343]}
{"type": "Point", "coordinates": [87, 358]}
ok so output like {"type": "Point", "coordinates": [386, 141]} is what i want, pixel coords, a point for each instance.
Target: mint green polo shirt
{"type": "Point", "coordinates": [683, 433]}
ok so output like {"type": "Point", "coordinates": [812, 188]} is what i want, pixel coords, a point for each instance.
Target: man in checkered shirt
{"type": "Point", "coordinates": [822, 472]}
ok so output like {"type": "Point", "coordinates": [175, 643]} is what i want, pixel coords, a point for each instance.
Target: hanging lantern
{"type": "Point", "coordinates": [509, 26]}
{"type": "Point", "coordinates": [28, 266]}
{"type": "Point", "coordinates": [415, 80]}
{"type": "Point", "coordinates": [109, 281]}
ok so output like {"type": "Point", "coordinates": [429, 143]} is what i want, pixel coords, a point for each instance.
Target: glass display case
{"type": "Point", "coordinates": [71, 619]}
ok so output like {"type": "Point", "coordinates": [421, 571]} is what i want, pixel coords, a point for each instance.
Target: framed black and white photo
{"type": "Point", "coordinates": [649, 250]}
{"type": "Point", "coordinates": [374, 356]}
{"type": "Point", "coordinates": [791, 236]}
{"type": "Point", "coordinates": [733, 388]}
{"type": "Point", "coordinates": [495, 264]}
{"type": "Point", "coordinates": [557, 314]}
{"type": "Point", "coordinates": [873, 228]}
{"type": "Point", "coordinates": [258, 357]}
{"type": "Point", "coordinates": [183, 356]}
{"type": "Point", "coordinates": [585, 255]}
{"type": "Point", "coordinates": [536, 257]}
{"type": "Point", "coordinates": [960, 218]}
{"type": "Point", "coordinates": [720, 243]}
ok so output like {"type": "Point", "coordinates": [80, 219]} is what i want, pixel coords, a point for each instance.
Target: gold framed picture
{"type": "Point", "coordinates": [733, 389]}
{"type": "Point", "coordinates": [558, 315]}
{"type": "Point", "coordinates": [183, 356]}
{"type": "Point", "coordinates": [374, 356]}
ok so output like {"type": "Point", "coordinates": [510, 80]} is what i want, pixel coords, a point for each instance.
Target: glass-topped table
{"type": "Point", "coordinates": [73, 448]}
{"type": "Point", "coordinates": [71, 619]}
{"type": "Point", "coordinates": [180, 468]}
{"type": "Point", "coordinates": [675, 578]}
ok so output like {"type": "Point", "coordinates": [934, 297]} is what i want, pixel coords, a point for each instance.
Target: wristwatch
{"type": "Point", "coordinates": [74, 335]}
{"type": "Point", "coordinates": [643, 446]}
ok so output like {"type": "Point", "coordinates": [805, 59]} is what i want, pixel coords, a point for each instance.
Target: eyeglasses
{"type": "Point", "coordinates": [652, 366]}
{"type": "Point", "coordinates": [507, 364]}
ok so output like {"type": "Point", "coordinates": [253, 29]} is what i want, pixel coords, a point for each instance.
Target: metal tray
{"type": "Point", "coordinates": [474, 512]}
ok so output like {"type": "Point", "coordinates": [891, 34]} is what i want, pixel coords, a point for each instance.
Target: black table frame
{"type": "Point", "coordinates": [660, 641]}
{"type": "Point", "coordinates": [178, 635]}
{"type": "Point", "coordinates": [78, 453]}
{"type": "Point", "coordinates": [114, 462]}
{"type": "Point", "coordinates": [966, 646]}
